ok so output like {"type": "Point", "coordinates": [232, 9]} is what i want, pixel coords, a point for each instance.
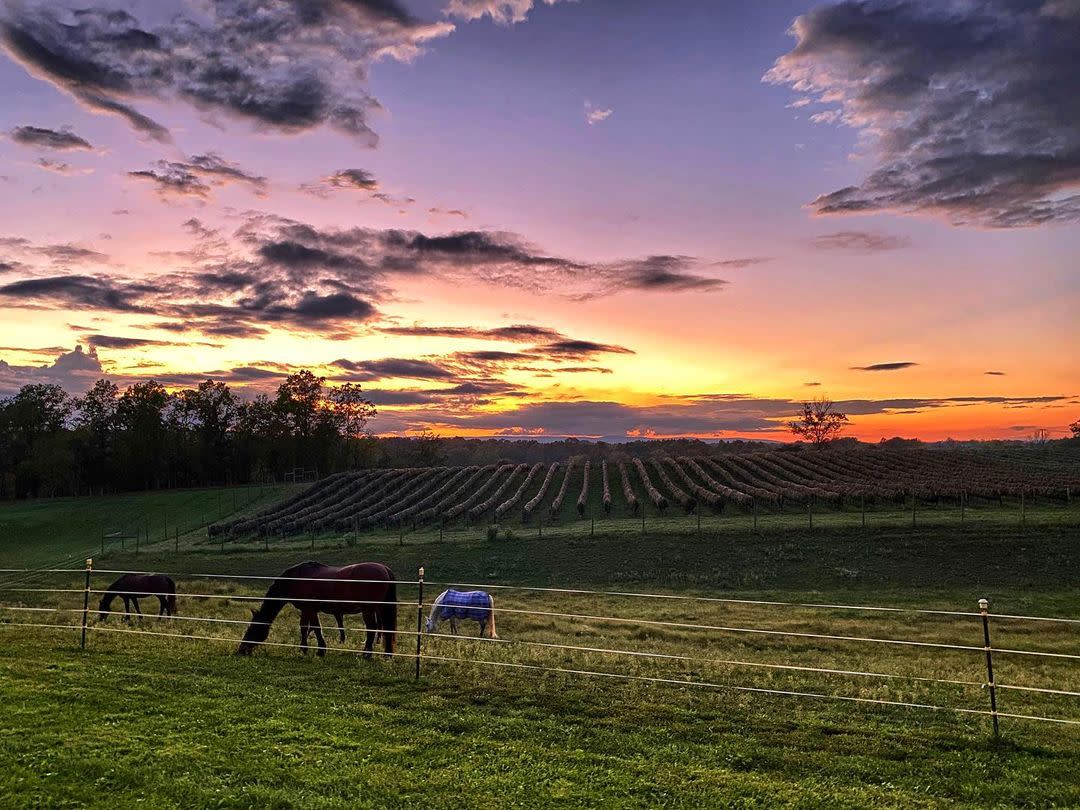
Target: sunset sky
{"type": "Point", "coordinates": [602, 218]}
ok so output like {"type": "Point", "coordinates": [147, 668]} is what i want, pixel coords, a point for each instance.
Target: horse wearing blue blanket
{"type": "Point", "coordinates": [451, 605]}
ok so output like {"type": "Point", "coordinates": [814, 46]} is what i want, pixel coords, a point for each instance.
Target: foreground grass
{"type": "Point", "coordinates": [181, 727]}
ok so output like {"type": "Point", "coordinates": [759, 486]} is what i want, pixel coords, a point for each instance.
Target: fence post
{"type": "Point", "coordinates": [963, 505]}
{"type": "Point", "coordinates": [1023, 508]}
{"type": "Point", "coordinates": [862, 508]}
{"type": "Point", "coordinates": [810, 510]}
{"type": "Point", "coordinates": [698, 512]}
{"type": "Point", "coordinates": [86, 602]}
{"type": "Point", "coordinates": [592, 525]}
{"type": "Point", "coordinates": [914, 501]}
{"type": "Point", "coordinates": [176, 539]}
{"type": "Point", "coordinates": [419, 616]}
{"type": "Point", "coordinates": [103, 541]}
{"type": "Point", "coordinates": [984, 607]}
{"type": "Point", "coordinates": [137, 538]}
{"type": "Point", "coordinates": [311, 529]}
{"type": "Point", "coordinates": [164, 525]}
{"type": "Point", "coordinates": [643, 518]}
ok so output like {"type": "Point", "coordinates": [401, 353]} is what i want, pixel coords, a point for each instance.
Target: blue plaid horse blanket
{"type": "Point", "coordinates": [472, 605]}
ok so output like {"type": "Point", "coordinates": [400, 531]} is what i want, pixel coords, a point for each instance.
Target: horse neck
{"type": "Point", "coordinates": [434, 615]}
{"type": "Point", "coordinates": [106, 601]}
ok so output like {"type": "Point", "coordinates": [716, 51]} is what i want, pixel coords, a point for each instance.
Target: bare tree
{"type": "Point", "coordinates": [819, 423]}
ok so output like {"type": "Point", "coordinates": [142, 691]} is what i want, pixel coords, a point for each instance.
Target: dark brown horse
{"type": "Point", "coordinates": [366, 588]}
{"type": "Point", "coordinates": [133, 587]}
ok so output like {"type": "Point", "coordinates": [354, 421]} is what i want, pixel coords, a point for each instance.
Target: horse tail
{"type": "Point", "coordinates": [388, 617]}
{"type": "Point", "coordinates": [491, 619]}
{"type": "Point", "coordinates": [170, 596]}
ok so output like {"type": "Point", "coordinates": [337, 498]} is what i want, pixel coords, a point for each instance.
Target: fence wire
{"type": "Point", "coordinates": [21, 580]}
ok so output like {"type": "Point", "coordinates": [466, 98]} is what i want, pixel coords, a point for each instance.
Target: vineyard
{"type": "Point", "coordinates": [621, 486]}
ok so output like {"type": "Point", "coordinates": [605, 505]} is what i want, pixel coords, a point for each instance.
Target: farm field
{"type": "Point", "coordinates": [777, 488]}
{"type": "Point", "coordinates": [177, 720]}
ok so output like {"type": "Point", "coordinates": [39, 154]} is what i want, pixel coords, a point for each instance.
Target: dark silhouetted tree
{"type": "Point", "coordinates": [819, 422]}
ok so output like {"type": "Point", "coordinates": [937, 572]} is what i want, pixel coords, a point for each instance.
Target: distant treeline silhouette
{"type": "Point", "coordinates": [146, 437]}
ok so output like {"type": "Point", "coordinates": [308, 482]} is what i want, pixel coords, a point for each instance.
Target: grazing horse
{"type": "Point", "coordinates": [133, 587]}
{"type": "Point", "coordinates": [367, 588]}
{"type": "Point", "coordinates": [477, 606]}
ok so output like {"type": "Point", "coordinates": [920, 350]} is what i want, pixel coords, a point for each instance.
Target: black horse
{"type": "Point", "coordinates": [366, 588]}
{"type": "Point", "coordinates": [133, 587]}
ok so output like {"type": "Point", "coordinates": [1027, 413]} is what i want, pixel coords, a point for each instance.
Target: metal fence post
{"type": "Point", "coordinates": [984, 607]}
{"type": "Point", "coordinates": [86, 602]}
{"type": "Point", "coordinates": [419, 616]}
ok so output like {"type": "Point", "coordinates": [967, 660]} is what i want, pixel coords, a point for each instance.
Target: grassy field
{"type": "Point", "coordinates": [180, 722]}
{"type": "Point", "coordinates": [44, 531]}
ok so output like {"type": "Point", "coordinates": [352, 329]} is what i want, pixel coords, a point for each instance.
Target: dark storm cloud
{"type": "Point", "coordinates": [44, 138]}
{"type": "Point", "coordinates": [287, 65]}
{"type": "Point", "coordinates": [78, 292]}
{"type": "Point", "coordinates": [859, 241]}
{"type": "Point", "coordinates": [656, 274]}
{"type": "Point", "coordinates": [197, 177]}
{"type": "Point", "coordinates": [578, 349]}
{"type": "Point", "coordinates": [329, 281]}
{"type": "Point", "coordinates": [516, 333]}
{"type": "Point", "coordinates": [393, 367]}
{"type": "Point", "coordinates": [885, 366]}
{"type": "Point", "coordinates": [117, 342]}
{"type": "Point", "coordinates": [970, 109]}
{"type": "Point", "coordinates": [348, 179]}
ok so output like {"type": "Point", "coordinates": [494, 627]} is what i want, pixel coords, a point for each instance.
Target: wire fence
{"type": "Point", "coordinates": [801, 653]}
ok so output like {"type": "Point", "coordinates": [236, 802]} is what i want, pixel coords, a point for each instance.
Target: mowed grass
{"type": "Point", "coordinates": [168, 721]}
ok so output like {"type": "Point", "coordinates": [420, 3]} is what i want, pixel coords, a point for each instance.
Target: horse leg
{"type": "Point", "coordinates": [371, 624]}
{"type": "Point", "coordinates": [317, 627]}
{"type": "Point", "coordinates": [305, 629]}
{"type": "Point", "coordinates": [341, 626]}
{"type": "Point", "coordinates": [135, 602]}
{"type": "Point", "coordinates": [453, 625]}
{"type": "Point", "coordinates": [127, 609]}
{"type": "Point", "coordinates": [161, 606]}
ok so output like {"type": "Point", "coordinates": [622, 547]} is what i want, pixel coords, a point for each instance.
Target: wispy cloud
{"type": "Point", "coordinates": [61, 140]}
{"type": "Point", "coordinates": [885, 366]}
{"type": "Point", "coordinates": [859, 241]}
{"type": "Point", "coordinates": [594, 115]}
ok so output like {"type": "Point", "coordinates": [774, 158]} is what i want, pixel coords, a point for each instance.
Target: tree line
{"type": "Point", "coordinates": [146, 437]}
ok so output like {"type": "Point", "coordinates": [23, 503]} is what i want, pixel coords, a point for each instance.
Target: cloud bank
{"type": "Point", "coordinates": [967, 109]}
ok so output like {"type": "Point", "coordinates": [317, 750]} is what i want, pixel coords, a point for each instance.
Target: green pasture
{"type": "Point", "coordinates": [153, 718]}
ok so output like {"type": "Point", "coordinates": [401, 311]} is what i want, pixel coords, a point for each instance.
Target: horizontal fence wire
{"type": "Point", "coordinates": [596, 673]}
{"type": "Point", "coordinates": [590, 617]}
{"type": "Point", "coordinates": [576, 591]}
